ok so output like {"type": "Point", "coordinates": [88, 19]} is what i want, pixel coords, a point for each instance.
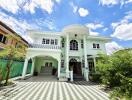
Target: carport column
{"type": "Point", "coordinates": [59, 66]}
{"type": "Point", "coordinates": [85, 59]}
{"type": "Point", "coordinates": [33, 62]}
{"type": "Point", "coordinates": [25, 68]}
{"type": "Point", "coordinates": [67, 55]}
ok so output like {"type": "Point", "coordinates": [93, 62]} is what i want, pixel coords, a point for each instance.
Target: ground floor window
{"type": "Point", "coordinates": [91, 66]}
{"type": "Point", "coordinates": [62, 63]}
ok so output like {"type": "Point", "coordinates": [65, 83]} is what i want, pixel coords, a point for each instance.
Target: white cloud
{"type": "Point", "coordinates": [128, 1]}
{"type": "Point", "coordinates": [58, 1]}
{"type": "Point", "coordinates": [83, 12]}
{"type": "Point", "coordinates": [20, 26]}
{"type": "Point", "coordinates": [46, 5]}
{"type": "Point", "coordinates": [15, 5]}
{"type": "Point", "coordinates": [114, 2]}
{"type": "Point", "coordinates": [109, 2]}
{"type": "Point", "coordinates": [112, 47]}
{"type": "Point", "coordinates": [123, 31]}
{"type": "Point", "coordinates": [93, 33]}
{"type": "Point", "coordinates": [105, 29]}
{"type": "Point", "coordinates": [9, 5]}
{"type": "Point", "coordinates": [74, 7]}
{"type": "Point", "coordinates": [94, 26]}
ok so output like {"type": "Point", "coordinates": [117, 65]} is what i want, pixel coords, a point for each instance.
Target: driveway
{"type": "Point", "coordinates": [38, 89]}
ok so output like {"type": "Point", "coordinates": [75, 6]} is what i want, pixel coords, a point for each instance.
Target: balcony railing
{"type": "Point", "coordinates": [44, 46]}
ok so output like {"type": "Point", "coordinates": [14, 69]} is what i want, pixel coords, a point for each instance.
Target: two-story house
{"type": "Point", "coordinates": [68, 54]}
{"type": "Point", "coordinates": [15, 39]}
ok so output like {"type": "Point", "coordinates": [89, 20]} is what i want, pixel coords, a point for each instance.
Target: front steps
{"type": "Point", "coordinates": [46, 71]}
{"type": "Point", "coordinates": [77, 77]}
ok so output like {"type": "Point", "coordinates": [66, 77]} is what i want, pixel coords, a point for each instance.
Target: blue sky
{"type": "Point", "coordinates": [112, 18]}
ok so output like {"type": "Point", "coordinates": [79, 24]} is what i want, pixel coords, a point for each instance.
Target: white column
{"type": "Point", "coordinates": [94, 59]}
{"type": "Point", "coordinates": [25, 68]}
{"type": "Point", "coordinates": [59, 67]}
{"type": "Point", "coordinates": [33, 62]}
{"type": "Point", "coordinates": [71, 76]}
{"type": "Point", "coordinates": [67, 56]}
{"type": "Point", "coordinates": [85, 59]}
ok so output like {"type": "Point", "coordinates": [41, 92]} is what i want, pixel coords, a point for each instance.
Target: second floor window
{"type": "Point", "coordinates": [3, 38]}
{"type": "Point", "coordinates": [81, 43]}
{"type": "Point", "coordinates": [73, 45]}
{"type": "Point", "coordinates": [52, 41]}
{"type": "Point", "coordinates": [47, 41]}
{"type": "Point", "coordinates": [43, 41]}
{"type": "Point", "coordinates": [96, 45]}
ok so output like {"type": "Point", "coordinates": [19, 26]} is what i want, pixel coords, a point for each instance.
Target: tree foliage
{"type": "Point", "coordinates": [10, 52]}
{"type": "Point", "coordinates": [116, 71]}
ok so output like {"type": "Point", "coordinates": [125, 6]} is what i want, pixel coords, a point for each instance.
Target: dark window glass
{"type": "Point", "coordinates": [52, 41]}
{"type": "Point", "coordinates": [91, 66]}
{"type": "Point", "coordinates": [4, 40]}
{"type": "Point", "coordinates": [81, 43]}
{"type": "Point", "coordinates": [47, 41]}
{"type": "Point", "coordinates": [56, 41]}
{"type": "Point", "coordinates": [1, 37]}
{"type": "Point", "coordinates": [73, 45]}
{"type": "Point", "coordinates": [62, 63]}
{"type": "Point", "coordinates": [98, 46]}
{"type": "Point", "coordinates": [63, 44]}
{"type": "Point", "coordinates": [94, 45]}
{"type": "Point", "coordinates": [44, 41]}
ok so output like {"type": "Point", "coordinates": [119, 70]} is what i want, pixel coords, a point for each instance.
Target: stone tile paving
{"type": "Point", "coordinates": [36, 89]}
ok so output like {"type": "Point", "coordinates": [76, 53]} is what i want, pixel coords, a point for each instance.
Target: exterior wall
{"type": "Point", "coordinates": [95, 51]}
{"type": "Point", "coordinates": [15, 39]}
{"type": "Point", "coordinates": [39, 62]}
{"type": "Point", "coordinates": [80, 34]}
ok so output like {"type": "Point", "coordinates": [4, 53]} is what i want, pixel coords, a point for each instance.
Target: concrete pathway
{"type": "Point", "coordinates": [38, 89]}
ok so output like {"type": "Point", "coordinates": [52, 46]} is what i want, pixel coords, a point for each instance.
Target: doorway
{"type": "Point", "coordinates": [75, 66]}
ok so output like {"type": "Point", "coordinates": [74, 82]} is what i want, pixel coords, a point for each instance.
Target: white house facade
{"type": "Point", "coordinates": [69, 54]}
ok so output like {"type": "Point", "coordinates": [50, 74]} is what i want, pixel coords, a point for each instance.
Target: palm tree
{"type": "Point", "coordinates": [10, 52]}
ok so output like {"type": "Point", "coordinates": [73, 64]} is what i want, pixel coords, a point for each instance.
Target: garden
{"type": "Point", "coordinates": [115, 72]}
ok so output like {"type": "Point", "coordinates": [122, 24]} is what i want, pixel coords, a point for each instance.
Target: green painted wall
{"type": "Point", "coordinates": [16, 68]}
{"type": "Point", "coordinates": [39, 62]}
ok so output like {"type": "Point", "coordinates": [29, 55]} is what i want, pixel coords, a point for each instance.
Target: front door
{"type": "Point", "coordinates": [76, 67]}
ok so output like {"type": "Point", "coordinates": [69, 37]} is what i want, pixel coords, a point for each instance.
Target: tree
{"type": "Point", "coordinates": [116, 72]}
{"type": "Point", "coordinates": [10, 52]}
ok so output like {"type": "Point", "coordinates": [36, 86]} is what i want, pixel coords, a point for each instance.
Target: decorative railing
{"type": "Point", "coordinates": [44, 46]}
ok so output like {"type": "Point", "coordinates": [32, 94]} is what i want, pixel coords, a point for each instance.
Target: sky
{"type": "Point", "coordinates": [110, 18]}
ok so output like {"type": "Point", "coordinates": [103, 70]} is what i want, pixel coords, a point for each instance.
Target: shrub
{"type": "Point", "coordinates": [95, 76]}
{"type": "Point", "coordinates": [116, 72]}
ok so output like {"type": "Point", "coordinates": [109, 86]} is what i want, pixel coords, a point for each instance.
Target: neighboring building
{"type": "Point", "coordinates": [15, 39]}
{"type": "Point", "coordinates": [71, 51]}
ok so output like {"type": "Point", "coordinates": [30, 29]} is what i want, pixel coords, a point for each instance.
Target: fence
{"type": "Point", "coordinates": [16, 68]}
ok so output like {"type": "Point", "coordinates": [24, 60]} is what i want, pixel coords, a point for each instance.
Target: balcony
{"type": "Point", "coordinates": [44, 46]}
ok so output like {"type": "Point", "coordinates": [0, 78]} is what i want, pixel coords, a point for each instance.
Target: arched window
{"type": "Point", "coordinates": [73, 45]}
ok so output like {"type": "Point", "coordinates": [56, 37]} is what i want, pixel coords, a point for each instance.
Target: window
{"type": "Point", "coordinates": [47, 41]}
{"type": "Point", "coordinates": [91, 66]}
{"type": "Point", "coordinates": [73, 45]}
{"type": "Point", "coordinates": [96, 45]}
{"type": "Point", "coordinates": [56, 41]}
{"type": "Point", "coordinates": [2, 38]}
{"type": "Point", "coordinates": [44, 41]}
{"type": "Point", "coordinates": [52, 41]}
{"type": "Point", "coordinates": [81, 43]}
{"type": "Point", "coordinates": [63, 43]}
{"type": "Point", "coordinates": [62, 63]}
